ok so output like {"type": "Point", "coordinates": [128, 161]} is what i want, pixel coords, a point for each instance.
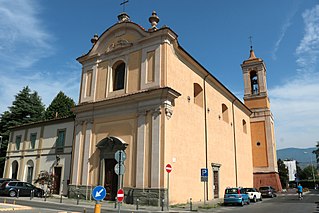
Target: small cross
{"type": "Point", "coordinates": [251, 42]}
{"type": "Point", "coordinates": [123, 3]}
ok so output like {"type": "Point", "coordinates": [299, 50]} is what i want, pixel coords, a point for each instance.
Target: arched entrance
{"type": "Point", "coordinates": [108, 146]}
{"type": "Point", "coordinates": [14, 169]}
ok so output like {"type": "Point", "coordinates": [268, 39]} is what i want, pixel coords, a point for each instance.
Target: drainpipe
{"type": "Point", "coordinates": [205, 117]}
{"type": "Point", "coordinates": [235, 146]}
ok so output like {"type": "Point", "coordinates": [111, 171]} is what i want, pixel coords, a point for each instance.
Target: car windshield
{"type": "Point", "coordinates": [250, 190]}
{"type": "Point", "coordinates": [231, 191]}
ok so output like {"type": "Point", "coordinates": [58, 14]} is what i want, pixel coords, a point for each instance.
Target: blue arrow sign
{"type": "Point", "coordinates": [99, 193]}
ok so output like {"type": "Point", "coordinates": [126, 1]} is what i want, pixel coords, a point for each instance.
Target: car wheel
{"type": "Point", "coordinates": [12, 193]}
{"type": "Point", "coordinates": [39, 194]}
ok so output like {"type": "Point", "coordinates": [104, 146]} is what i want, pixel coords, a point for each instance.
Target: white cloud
{"type": "Point", "coordinates": [284, 29]}
{"type": "Point", "coordinates": [23, 40]}
{"type": "Point", "coordinates": [295, 103]}
{"type": "Point", "coordinates": [308, 49]}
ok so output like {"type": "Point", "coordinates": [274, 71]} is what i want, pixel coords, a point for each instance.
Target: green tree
{"type": "Point", "coordinates": [27, 107]}
{"type": "Point", "coordinates": [60, 107]}
{"type": "Point", "coordinates": [283, 173]}
{"type": "Point", "coordinates": [316, 152]}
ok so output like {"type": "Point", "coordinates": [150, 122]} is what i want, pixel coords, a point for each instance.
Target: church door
{"type": "Point", "coordinates": [216, 184]}
{"type": "Point", "coordinates": [111, 179]}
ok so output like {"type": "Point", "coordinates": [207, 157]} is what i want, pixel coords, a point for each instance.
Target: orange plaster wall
{"type": "Point", "coordinates": [257, 103]}
{"type": "Point", "coordinates": [259, 152]}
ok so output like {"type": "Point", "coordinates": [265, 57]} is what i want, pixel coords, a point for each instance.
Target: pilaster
{"type": "Point", "coordinates": [140, 150]}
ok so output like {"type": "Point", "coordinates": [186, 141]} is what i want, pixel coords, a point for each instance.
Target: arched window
{"type": "Point", "coordinates": [118, 76]}
{"type": "Point", "coordinates": [254, 82]}
{"type": "Point", "coordinates": [244, 126]}
{"type": "Point", "coordinates": [14, 169]}
{"type": "Point", "coordinates": [198, 95]}
{"type": "Point", "coordinates": [225, 113]}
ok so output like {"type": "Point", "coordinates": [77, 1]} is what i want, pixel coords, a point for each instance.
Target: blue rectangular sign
{"type": "Point", "coordinates": [204, 172]}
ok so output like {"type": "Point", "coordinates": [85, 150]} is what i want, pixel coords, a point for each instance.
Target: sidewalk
{"type": "Point", "coordinates": [111, 205]}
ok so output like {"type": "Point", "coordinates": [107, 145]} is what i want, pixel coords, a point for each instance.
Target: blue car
{"type": "Point", "coordinates": [236, 196]}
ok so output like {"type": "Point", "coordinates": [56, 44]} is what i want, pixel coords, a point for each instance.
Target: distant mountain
{"type": "Point", "coordinates": [303, 156]}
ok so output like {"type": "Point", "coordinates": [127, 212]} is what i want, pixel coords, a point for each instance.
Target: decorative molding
{"type": "Point", "coordinates": [168, 109]}
{"type": "Point", "coordinates": [119, 44]}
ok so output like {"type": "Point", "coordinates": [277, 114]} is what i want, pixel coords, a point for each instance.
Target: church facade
{"type": "Point", "coordinates": [141, 92]}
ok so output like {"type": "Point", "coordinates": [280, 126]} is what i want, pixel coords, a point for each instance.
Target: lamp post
{"type": "Point", "coordinates": [313, 172]}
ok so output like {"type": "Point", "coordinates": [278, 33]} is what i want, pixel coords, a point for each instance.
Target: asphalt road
{"type": "Point", "coordinates": [284, 203]}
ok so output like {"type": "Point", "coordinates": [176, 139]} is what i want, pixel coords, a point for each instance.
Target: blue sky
{"type": "Point", "coordinates": [40, 40]}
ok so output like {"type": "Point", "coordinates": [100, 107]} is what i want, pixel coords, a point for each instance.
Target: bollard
{"type": "Point", "coordinates": [97, 207]}
{"type": "Point", "coordinates": [45, 196]}
{"type": "Point", "coordinates": [18, 193]}
{"type": "Point", "coordinates": [61, 198]}
{"type": "Point", "coordinates": [162, 204]}
{"type": "Point", "coordinates": [5, 200]}
{"type": "Point", "coordinates": [190, 204]}
{"type": "Point", "coordinates": [84, 210]}
{"type": "Point", "coordinates": [137, 200]}
{"type": "Point", "coordinates": [14, 202]}
{"type": "Point", "coordinates": [77, 199]}
{"type": "Point", "coordinates": [115, 203]}
{"type": "Point", "coordinates": [31, 194]}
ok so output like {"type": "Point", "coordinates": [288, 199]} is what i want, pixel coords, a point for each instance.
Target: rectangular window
{"type": "Point", "coordinates": [89, 75]}
{"type": "Point", "coordinates": [18, 141]}
{"type": "Point", "coordinates": [60, 141]}
{"type": "Point", "coordinates": [33, 137]}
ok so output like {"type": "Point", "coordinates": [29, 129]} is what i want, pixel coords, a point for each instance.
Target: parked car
{"type": "Point", "coordinates": [253, 194]}
{"type": "Point", "coordinates": [6, 179]}
{"type": "Point", "coordinates": [267, 191]}
{"type": "Point", "coordinates": [12, 188]}
{"type": "Point", "coordinates": [236, 196]}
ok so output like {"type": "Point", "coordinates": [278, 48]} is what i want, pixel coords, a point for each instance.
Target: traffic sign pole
{"type": "Point", "coordinates": [168, 169]}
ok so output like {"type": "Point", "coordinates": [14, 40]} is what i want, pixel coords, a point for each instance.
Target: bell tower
{"type": "Point", "coordinates": [261, 123]}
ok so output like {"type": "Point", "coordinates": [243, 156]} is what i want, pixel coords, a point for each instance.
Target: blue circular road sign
{"type": "Point", "coordinates": [99, 193]}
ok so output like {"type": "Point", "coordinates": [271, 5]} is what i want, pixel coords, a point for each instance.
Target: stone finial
{"type": "Point", "coordinates": [154, 19]}
{"type": "Point", "coordinates": [94, 39]}
{"type": "Point", "coordinates": [252, 54]}
{"type": "Point", "coordinates": [123, 17]}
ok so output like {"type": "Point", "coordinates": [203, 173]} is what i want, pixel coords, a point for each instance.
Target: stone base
{"type": "Point", "coordinates": [81, 192]}
{"type": "Point", "coordinates": [147, 197]}
{"type": "Point", "coordinates": [267, 179]}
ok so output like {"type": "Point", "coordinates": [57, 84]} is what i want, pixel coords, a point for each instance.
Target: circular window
{"type": "Point", "coordinates": [258, 143]}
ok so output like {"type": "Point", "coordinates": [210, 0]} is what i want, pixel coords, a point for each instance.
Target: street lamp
{"type": "Point", "coordinates": [313, 173]}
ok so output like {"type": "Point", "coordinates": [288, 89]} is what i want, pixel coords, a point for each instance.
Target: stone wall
{"type": "Point", "coordinates": [148, 197]}
{"type": "Point", "coordinates": [267, 179]}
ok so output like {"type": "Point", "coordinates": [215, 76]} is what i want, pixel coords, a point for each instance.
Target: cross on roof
{"type": "Point", "coordinates": [251, 42]}
{"type": "Point", "coordinates": [123, 3]}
